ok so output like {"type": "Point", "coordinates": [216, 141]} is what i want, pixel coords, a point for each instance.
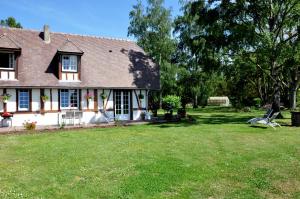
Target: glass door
{"type": "Point", "coordinates": [122, 105]}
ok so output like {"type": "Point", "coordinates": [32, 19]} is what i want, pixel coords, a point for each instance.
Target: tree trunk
{"type": "Point", "coordinates": [277, 91]}
{"type": "Point", "coordinates": [160, 99]}
{"type": "Point", "coordinates": [196, 102]}
{"type": "Point", "coordinates": [293, 98]}
{"type": "Point", "coordinates": [294, 88]}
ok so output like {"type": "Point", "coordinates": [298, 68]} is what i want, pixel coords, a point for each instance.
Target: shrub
{"type": "Point", "coordinates": [257, 102]}
{"type": "Point", "coordinates": [247, 109]}
{"type": "Point", "coordinates": [171, 102]}
{"type": "Point", "coordinates": [29, 125]}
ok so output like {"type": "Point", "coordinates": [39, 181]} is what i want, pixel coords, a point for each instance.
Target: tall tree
{"type": "Point", "coordinates": [196, 57]}
{"type": "Point", "coordinates": [10, 22]}
{"type": "Point", "coordinates": [151, 25]}
{"type": "Point", "coordinates": [261, 32]}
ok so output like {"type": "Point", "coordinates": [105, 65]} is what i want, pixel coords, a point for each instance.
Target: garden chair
{"type": "Point", "coordinates": [269, 121]}
{"type": "Point", "coordinates": [266, 115]}
{"type": "Point", "coordinates": [68, 117]}
{"type": "Point", "coordinates": [78, 116]}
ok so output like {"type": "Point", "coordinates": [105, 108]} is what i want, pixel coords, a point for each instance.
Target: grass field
{"type": "Point", "coordinates": [219, 156]}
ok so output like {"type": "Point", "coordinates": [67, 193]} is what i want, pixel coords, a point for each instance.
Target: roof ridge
{"type": "Point", "coordinates": [72, 34]}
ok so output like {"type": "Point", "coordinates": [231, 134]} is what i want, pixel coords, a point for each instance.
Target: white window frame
{"type": "Point", "coordinates": [20, 100]}
{"type": "Point", "coordinates": [11, 62]}
{"type": "Point", "coordinates": [69, 99]}
{"type": "Point", "coordinates": [72, 65]}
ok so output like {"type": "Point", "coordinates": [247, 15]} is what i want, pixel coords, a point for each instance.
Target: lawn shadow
{"type": "Point", "coordinates": [258, 127]}
{"type": "Point", "coordinates": [212, 119]}
{"type": "Point", "coordinates": [222, 119]}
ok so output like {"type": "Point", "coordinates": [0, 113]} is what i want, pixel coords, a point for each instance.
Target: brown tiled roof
{"type": "Point", "coordinates": [105, 63]}
{"type": "Point", "coordinates": [70, 47]}
{"type": "Point", "coordinates": [7, 42]}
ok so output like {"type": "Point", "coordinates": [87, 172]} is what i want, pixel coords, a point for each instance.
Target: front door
{"type": "Point", "coordinates": [122, 105]}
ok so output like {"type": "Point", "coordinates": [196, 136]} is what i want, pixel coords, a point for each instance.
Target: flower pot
{"type": "Point", "coordinates": [295, 118]}
{"type": "Point", "coordinates": [181, 112]}
{"type": "Point", "coordinates": [168, 116]}
{"type": "Point", "coordinates": [5, 101]}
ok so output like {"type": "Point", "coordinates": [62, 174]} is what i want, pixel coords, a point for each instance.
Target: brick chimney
{"type": "Point", "coordinates": [47, 38]}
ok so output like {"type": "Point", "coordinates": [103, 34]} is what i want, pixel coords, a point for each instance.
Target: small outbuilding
{"type": "Point", "coordinates": [218, 101]}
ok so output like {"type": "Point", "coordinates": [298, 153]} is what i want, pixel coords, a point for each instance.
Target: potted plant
{"type": "Point", "coordinates": [6, 118]}
{"type": "Point", "coordinates": [103, 96]}
{"type": "Point", "coordinates": [29, 126]}
{"type": "Point", "coordinates": [296, 117]}
{"type": "Point", "coordinates": [89, 96]}
{"type": "Point", "coordinates": [181, 112]}
{"type": "Point", "coordinates": [45, 98]}
{"type": "Point", "coordinates": [5, 97]}
{"type": "Point", "coordinates": [170, 103]}
{"type": "Point", "coordinates": [141, 96]}
{"type": "Point", "coordinates": [6, 115]}
{"type": "Point", "coordinates": [143, 116]}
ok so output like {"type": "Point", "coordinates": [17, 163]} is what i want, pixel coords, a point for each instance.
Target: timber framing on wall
{"type": "Point", "coordinates": [4, 104]}
{"type": "Point", "coordinates": [42, 93]}
{"type": "Point", "coordinates": [96, 101]}
{"type": "Point", "coordinates": [137, 100]}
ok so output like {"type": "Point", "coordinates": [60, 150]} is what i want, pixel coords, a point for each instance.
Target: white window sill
{"type": "Point", "coordinates": [69, 109]}
{"type": "Point", "coordinates": [15, 80]}
{"type": "Point", "coordinates": [67, 81]}
{"type": "Point", "coordinates": [7, 69]}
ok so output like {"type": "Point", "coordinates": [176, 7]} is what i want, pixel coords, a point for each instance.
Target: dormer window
{"type": "Point", "coordinates": [7, 61]}
{"type": "Point", "coordinates": [69, 63]}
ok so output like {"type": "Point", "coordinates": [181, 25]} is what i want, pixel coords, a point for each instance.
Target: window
{"type": "Point", "coordinates": [23, 96]}
{"type": "Point", "coordinates": [69, 63]}
{"type": "Point", "coordinates": [69, 99]}
{"type": "Point", "coordinates": [7, 60]}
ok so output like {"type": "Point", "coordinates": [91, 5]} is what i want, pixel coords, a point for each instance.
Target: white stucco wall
{"type": "Point", "coordinates": [35, 106]}
{"type": "Point", "coordinates": [54, 118]}
{"type": "Point", "coordinates": [143, 103]}
{"type": "Point", "coordinates": [83, 100]}
{"type": "Point", "coordinates": [91, 102]}
{"type": "Point", "coordinates": [50, 119]}
{"type": "Point", "coordinates": [110, 100]}
{"type": "Point", "coordinates": [55, 99]}
{"type": "Point", "coordinates": [11, 104]}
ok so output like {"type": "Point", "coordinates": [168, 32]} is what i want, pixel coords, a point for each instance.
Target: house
{"type": "Point", "coordinates": [47, 73]}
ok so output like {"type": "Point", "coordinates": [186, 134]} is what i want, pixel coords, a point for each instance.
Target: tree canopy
{"type": "Point", "coordinates": [152, 25]}
{"type": "Point", "coordinates": [10, 22]}
{"type": "Point", "coordinates": [254, 43]}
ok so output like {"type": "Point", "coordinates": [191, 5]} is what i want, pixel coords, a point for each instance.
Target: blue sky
{"type": "Point", "coordinates": [107, 18]}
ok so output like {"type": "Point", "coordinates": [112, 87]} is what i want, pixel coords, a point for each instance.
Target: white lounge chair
{"type": "Point", "coordinates": [266, 115]}
{"type": "Point", "coordinates": [269, 121]}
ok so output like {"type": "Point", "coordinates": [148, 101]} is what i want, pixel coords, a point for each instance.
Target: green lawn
{"type": "Point", "coordinates": [219, 156]}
